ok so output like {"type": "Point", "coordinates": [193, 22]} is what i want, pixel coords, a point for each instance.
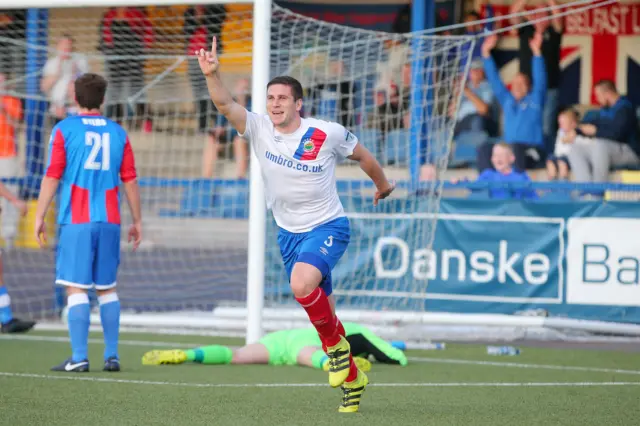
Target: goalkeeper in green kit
{"type": "Point", "coordinates": [301, 346]}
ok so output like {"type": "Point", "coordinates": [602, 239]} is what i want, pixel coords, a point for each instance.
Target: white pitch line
{"type": "Point", "coordinates": [61, 339]}
{"type": "Point", "coordinates": [152, 343]}
{"type": "Point", "coordinates": [312, 385]}
{"type": "Point", "coordinates": [519, 365]}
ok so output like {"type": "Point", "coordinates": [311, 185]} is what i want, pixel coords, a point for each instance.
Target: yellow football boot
{"type": "Point", "coordinates": [352, 392]}
{"type": "Point", "coordinates": [363, 364]}
{"type": "Point", "coordinates": [174, 356]}
{"type": "Point", "coordinates": [338, 362]}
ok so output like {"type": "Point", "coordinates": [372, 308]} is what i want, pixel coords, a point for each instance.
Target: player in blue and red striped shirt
{"type": "Point", "coordinates": [89, 156]}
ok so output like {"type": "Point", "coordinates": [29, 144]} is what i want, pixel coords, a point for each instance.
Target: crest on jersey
{"type": "Point", "coordinates": [308, 146]}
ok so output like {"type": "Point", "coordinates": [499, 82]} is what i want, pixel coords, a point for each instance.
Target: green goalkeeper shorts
{"type": "Point", "coordinates": [284, 346]}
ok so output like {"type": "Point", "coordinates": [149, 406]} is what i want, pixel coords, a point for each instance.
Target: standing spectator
{"type": "Point", "coordinates": [614, 133]}
{"type": "Point", "coordinates": [521, 108]}
{"type": "Point", "coordinates": [396, 51]}
{"type": "Point", "coordinates": [201, 24]}
{"type": "Point", "coordinates": [125, 35]}
{"type": "Point", "coordinates": [221, 133]}
{"type": "Point", "coordinates": [474, 29]}
{"type": "Point", "coordinates": [59, 74]}
{"type": "Point", "coordinates": [10, 115]}
{"type": "Point", "coordinates": [551, 31]}
{"type": "Point", "coordinates": [402, 22]}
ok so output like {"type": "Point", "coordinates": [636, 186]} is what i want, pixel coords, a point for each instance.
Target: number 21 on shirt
{"type": "Point", "coordinates": [98, 143]}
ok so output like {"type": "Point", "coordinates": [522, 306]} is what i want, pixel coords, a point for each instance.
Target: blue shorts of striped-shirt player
{"type": "Point", "coordinates": [88, 255]}
{"type": "Point", "coordinates": [321, 247]}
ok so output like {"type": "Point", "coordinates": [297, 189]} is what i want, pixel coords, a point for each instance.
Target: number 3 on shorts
{"type": "Point", "coordinates": [329, 241]}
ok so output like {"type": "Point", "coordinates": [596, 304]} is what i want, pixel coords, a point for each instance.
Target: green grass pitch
{"type": "Point", "coordinates": [459, 386]}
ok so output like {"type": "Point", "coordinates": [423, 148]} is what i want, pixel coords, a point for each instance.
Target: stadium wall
{"type": "Point", "coordinates": [567, 259]}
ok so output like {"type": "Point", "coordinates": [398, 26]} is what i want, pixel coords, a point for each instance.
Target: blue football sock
{"type": "Point", "coordinates": [5, 306]}
{"type": "Point", "coordinates": [78, 319]}
{"type": "Point", "coordinates": [110, 317]}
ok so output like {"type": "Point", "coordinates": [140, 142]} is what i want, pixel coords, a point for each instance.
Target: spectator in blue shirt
{"type": "Point", "coordinates": [551, 29]}
{"type": "Point", "coordinates": [473, 119]}
{"type": "Point", "coordinates": [614, 133]}
{"type": "Point", "coordinates": [502, 159]}
{"type": "Point", "coordinates": [521, 108]}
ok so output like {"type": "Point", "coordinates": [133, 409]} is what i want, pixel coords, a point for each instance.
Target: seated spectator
{"type": "Point", "coordinates": [59, 74]}
{"type": "Point", "coordinates": [474, 114]}
{"type": "Point", "coordinates": [503, 159]}
{"type": "Point", "coordinates": [334, 100]}
{"type": "Point", "coordinates": [613, 131]}
{"type": "Point", "coordinates": [521, 107]}
{"type": "Point", "coordinates": [393, 102]}
{"type": "Point", "coordinates": [220, 134]}
{"type": "Point", "coordinates": [558, 165]}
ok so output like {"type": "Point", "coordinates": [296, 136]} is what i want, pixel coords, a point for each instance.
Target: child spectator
{"type": "Point", "coordinates": [503, 159]}
{"type": "Point", "coordinates": [558, 165]}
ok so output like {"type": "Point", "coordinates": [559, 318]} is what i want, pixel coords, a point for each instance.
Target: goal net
{"type": "Point", "coordinates": [397, 93]}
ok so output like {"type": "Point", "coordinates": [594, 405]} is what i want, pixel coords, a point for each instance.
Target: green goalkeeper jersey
{"type": "Point", "coordinates": [284, 346]}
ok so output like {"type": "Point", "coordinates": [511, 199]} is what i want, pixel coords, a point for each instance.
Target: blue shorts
{"type": "Point", "coordinates": [88, 255]}
{"type": "Point", "coordinates": [321, 247]}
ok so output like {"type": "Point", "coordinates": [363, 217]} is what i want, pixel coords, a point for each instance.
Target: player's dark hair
{"type": "Point", "coordinates": [607, 85]}
{"type": "Point", "coordinates": [90, 89]}
{"type": "Point", "coordinates": [285, 80]}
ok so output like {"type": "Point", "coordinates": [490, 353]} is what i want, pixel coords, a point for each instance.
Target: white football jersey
{"type": "Point", "coordinates": [298, 169]}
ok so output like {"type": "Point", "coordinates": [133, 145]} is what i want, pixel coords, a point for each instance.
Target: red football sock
{"type": "Point", "coordinates": [353, 370]}
{"type": "Point", "coordinates": [341, 328]}
{"type": "Point", "coordinates": [341, 332]}
{"type": "Point", "coordinates": [319, 310]}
